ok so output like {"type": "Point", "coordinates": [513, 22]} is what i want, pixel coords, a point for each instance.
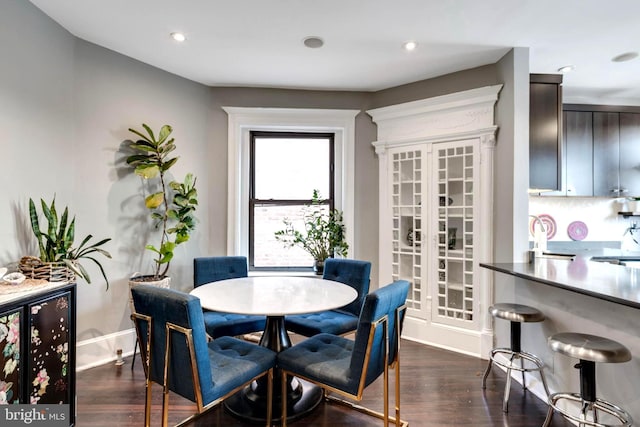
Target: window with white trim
{"type": "Point", "coordinates": [285, 169]}
{"type": "Point", "coordinates": [243, 120]}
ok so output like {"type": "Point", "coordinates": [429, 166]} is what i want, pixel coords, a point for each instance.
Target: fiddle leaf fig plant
{"type": "Point", "coordinates": [324, 232]}
{"type": "Point", "coordinates": [172, 204]}
{"type": "Point", "coordinates": [56, 244]}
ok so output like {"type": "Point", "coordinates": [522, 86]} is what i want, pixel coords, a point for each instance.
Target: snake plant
{"type": "Point", "coordinates": [56, 242]}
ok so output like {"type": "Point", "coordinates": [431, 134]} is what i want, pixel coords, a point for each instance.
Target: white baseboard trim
{"type": "Point", "coordinates": [101, 350]}
{"type": "Point", "coordinates": [444, 347]}
{"type": "Point", "coordinates": [486, 343]}
{"type": "Point", "coordinates": [448, 337]}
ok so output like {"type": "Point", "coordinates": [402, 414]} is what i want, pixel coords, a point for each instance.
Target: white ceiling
{"type": "Point", "coordinates": [258, 43]}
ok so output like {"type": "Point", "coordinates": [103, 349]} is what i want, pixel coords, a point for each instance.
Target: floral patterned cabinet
{"type": "Point", "coordinates": [37, 343]}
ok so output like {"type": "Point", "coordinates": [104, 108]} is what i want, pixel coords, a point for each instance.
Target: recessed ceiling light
{"type": "Point", "coordinates": [313, 42]}
{"type": "Point", "coordinates": [566, 69]}
{"type": "Point", "coordinates": [179, 37]}
{"type": "Point", "coordinates": [409, 45]}
{"type": "Point", "coordinates": [628, 56]}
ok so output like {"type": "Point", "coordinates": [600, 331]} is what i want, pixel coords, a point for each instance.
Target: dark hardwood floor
{"type": "Point", "coordinates": [439, 388]}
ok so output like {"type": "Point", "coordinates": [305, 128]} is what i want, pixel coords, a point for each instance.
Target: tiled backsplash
{"type": "Point", "coordinates": [599, 214]}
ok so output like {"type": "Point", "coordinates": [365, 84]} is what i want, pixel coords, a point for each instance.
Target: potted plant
{"type": "Point", "coordinates": [172, 204]}
{"type": "Point", "coordinates": [59, 260]}
{"type": "Point", "coordinates": [323, 236]}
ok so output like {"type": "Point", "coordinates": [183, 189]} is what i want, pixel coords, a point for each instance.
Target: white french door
{"type": "Point", "coordinates": [454, 227]}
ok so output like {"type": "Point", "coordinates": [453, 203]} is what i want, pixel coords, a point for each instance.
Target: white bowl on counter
{"type": "Point", "coordinates": [13, 278]}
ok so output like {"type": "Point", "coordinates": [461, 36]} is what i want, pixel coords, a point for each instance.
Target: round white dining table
{"type": "Point", "coordinates": [274, 297]}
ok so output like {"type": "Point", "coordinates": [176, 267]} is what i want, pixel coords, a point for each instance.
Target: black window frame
{"type": "Point", "coordinates": [253, 202]}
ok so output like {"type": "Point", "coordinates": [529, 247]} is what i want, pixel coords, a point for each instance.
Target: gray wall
{"type": "Point", "coordinates": [36, 118]}
{"type": "Point", "coordinates": [366, 172]}
{"type": "Point", "coordinates": [65, 106]}
{"type": "Point", "coordinates": [443, 85]}
{"type": "Point", "coordinates": [111, 94]}
{"type": "Point", "coordinates": [511, 183]}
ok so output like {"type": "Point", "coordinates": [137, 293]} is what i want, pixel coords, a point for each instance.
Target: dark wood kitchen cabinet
{"type": "Point", "coordinates": [606, 154]}
{"type": "Point", "coordinates": [37, 347]}
{"type": "Point", "coordinates": [545, 131]}
{"type": "Point", "coordinates": [578, 153]}
{"type": "Point", "coordinates": [616, 150]}
{"type": "Point", "coordinates": [630, 153]}
{"type": "Point", "coordinates": [601, 151]}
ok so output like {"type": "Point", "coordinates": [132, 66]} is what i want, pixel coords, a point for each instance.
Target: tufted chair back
{"type": "Point", "coordinates": [344, 366]}
{"type": "Point", "coordinates": [212, 269]}
{"type": "Point", "coordinates": [184, 310]}
{"type": "Point", "coordinates": [381, 302]}
{"type": "Point", "coordinates": [354, 273]}
{"type": "Point", "coordinates": [171, 331]}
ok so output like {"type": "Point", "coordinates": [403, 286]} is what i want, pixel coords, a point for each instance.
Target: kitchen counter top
{"type": "Point", "coordinates": [601, 280]}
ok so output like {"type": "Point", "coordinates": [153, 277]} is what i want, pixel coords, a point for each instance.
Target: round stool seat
{"type": "Point", "coordinates": [589, 347]}
{"type": "Point", "coordinates": [516, 312]}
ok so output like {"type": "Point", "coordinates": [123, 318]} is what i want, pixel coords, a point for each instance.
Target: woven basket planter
{"type": "Point", "coordinates": [34, 268]}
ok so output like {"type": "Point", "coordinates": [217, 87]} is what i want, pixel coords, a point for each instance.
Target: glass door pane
{"type": "Point", "coordinates": [407, 225]}
{"type": "Point", "coordinates": [455, 172]}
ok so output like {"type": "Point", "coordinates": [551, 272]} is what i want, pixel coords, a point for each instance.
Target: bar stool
{"type": "Point", "coordinates": [589, 349]}
{"type": "Point", "coordinates": [516, 314]}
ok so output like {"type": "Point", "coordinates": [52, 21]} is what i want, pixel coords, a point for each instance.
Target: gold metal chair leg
{"type": "Point", "coordinates": [165, 406]}
{"type": "Point", "coordinates": [397, 421]}
{"type": "Point", "coordinates": [365, 410]}
{"type": "Point", "coordinates": [283, 398]}
{"type": "Point", "coordinates": [397, 370]}
{"type": "Point", "coordinates": [147, 403]}
{"type": "Point", "coordinates": [385, 377]}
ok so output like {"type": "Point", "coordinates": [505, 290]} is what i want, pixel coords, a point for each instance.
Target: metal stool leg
{"type": "Point", "coordinates": [524, 383]}
{"type": "Point", "coordinates": [486, 371]}
{"type": "Point", "coordinates": [507, 386]}
{"type": "Point", "coordinates": [544, 382]}
{"type": "Point", "coordinates": [516, 314]}
{"type": "Point", "coordinates": [539, 367]}
{"type": "Point", "coordinates": [511, 365]}
{"type": "Point", "coordinates": [584, 411]}
{"type": "Point", "coordinates": [580, 417]}
{"type": "Point", "coordinates": [547, 420]}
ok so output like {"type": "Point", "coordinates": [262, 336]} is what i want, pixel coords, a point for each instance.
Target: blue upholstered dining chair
{"type": "Point", "coordinates": [340, 321]}
{"type": "Point", "coordinates": [345, 366]}
{"type": "Point", "coordinates": [178, 356]}
{"type": "Point", "coordinates": [213, 269]}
